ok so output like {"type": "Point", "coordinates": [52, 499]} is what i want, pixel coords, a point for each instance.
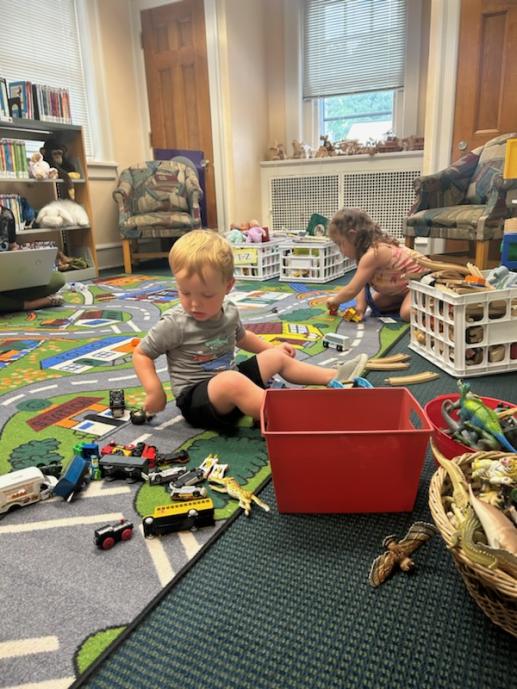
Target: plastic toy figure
{"type": "Point", "coordinates": [106, 537]}
{"type": "Point", "coordinates": [117, 403]}
{"type": "Point", "coordinates": [473, 410]}
{"type": "Point", "coordinates": [398, 552]}
{"type": "Point", "coordinates": [235, 490]}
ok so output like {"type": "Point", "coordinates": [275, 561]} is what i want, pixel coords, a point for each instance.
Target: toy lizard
{"type": "Point", "coordinates": [398, 552]}
{"type": "Point", "coordinates": [473, 410]}
{"type": "Point", "coordinates": [235, 490]}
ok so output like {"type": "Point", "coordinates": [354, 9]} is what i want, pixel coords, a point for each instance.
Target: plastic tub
{"type": "Point", "coordinates": [354, 450]}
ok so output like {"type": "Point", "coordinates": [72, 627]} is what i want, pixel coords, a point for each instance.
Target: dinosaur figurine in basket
{"type": "Point", "coordinates": [231, 486]}
{"type": "Point", "coordinates": [474, 411]}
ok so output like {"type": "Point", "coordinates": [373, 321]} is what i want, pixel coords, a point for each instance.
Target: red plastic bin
{"type": "Point", "coordinates": [343, 451]}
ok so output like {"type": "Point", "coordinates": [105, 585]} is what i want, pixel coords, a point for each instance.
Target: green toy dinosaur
{"type": "Point", "coordinates": [473, 411]}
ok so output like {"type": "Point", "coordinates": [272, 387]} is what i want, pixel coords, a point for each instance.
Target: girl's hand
{"type": "Point", "coordinates": [288, 349]}
{"type": "Point", "coordinates": [332, 305]}
{"type": "Point", "coordinates": [155, 402]}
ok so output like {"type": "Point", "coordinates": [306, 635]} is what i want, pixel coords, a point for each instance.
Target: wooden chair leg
{"type": "Point", "coordinates": [126, 252]}
{"type": "Point", "coordinates": [481, 259]}
{"type": "Point", "coordinates": [410, 242]}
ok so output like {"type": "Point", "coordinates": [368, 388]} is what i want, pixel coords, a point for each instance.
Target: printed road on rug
{"type": "Point", "coordinates": [64, 600]}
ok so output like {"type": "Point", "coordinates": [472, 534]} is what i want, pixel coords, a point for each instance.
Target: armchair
{"type": "Point", "coordinates": [159, 198]}
{"type": "Point", "coordinates": [467, 200]}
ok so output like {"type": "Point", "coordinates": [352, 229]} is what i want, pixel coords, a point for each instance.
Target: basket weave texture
{"type": "Point", "coordinates": [494, 590]}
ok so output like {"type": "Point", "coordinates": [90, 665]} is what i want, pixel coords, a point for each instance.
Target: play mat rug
{"type": "Point", "coordinates": [64, 600]}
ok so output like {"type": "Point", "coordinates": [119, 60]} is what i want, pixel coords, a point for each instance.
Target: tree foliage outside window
{"type": "Point", "coordinates": [357, 116]}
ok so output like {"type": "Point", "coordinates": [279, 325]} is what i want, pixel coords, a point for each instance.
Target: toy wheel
{"type": "Point", "coordinates": [126, 534]}
{"type": "Point", "coordinates": [108, 543]}
{"type": "Point", "coordinates": [339, 348]}
{"type": "Point", "coordinates": [325, 344]}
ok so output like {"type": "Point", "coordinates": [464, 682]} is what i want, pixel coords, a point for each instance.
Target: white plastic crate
{"type": "Point", "coordinates": [257, 261]}
{"type": "Point", "coordinates": [312, 261]}
{"type": "Point", "coordinates": [466, 335]}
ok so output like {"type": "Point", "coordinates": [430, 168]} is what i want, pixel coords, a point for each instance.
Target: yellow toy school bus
{"type": "Point", "coordinates": [179, 517]}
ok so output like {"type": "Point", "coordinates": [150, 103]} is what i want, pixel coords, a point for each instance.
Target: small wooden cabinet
{"type": "Point", "coordinates": [74, 241]}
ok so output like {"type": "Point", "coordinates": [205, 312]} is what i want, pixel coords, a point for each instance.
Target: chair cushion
{"type": "Point", "coordinates": [161, 219]}
{"type": "Point", "coordinates": [489, 168]}
{"type": "Point", "coordinates": [465, 217]}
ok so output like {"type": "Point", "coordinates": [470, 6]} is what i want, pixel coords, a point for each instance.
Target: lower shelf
{"type": "Point", "coordinates": [79, 275]}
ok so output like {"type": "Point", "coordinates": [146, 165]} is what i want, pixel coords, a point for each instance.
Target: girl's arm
{"type": "Point", "coordinates": [255, 344]}
{"type": "Point", "coordinates": [370, 262]}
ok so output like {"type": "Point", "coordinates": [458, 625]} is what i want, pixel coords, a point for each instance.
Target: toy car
{"type": "Point", "coordinates": [190, 478]}
{"type": "Point", "coordinates": [120, 466]}
{"type": "Point", "coordinates": [106, 537]}
{"type": "Point", "coordinates": [339, 342]}
{"type": "Point", "coordinates": [186, 492]}
{"type": "Point", "coordinates": [117, 403]}
{"type": "Point", "coordinates": [351, 314]}
{"type": "Point", "coordinates": [176, 457]}
{"type": "Point", "coordinates": [157, 478]}
{"type": "Point", "coordinates": [179, 517]}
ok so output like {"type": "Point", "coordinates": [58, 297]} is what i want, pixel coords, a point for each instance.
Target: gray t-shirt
{"type": "Point", "coordinates": [195, 350]}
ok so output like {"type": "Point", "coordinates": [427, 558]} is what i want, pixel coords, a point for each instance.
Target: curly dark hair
{"type": "Point", "coordinates": [367, 232]}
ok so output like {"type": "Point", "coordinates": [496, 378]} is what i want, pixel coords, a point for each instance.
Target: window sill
{"type": "Point", "coordinates": [345, 159]}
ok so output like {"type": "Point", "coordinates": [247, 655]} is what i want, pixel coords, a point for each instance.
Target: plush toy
{"type": "Point", "coordinates": [61, 213]}
{"type": "Point", "coordinates": [55, 153]}
{"type": "Point", "coordinates": [235, 236]}
{"type": "Point", "coordinates": [255, 235]}
{"type": "Point", "coordinates": [40, 169]}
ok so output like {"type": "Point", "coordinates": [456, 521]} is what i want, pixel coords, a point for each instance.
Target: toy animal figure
{"type": "Point", "coordinates": [496, 472]}
{"type": "Point", "coordinates": [235, 490]}
{"type": "Point", "coordinates": [235, 236]}
{"type": "Point", "coordinates": [398, 552]}
{"type": "Point", "coordinates": [499, 530]}
{"type": "Point", "coordinates": [255, 235]}
{"type": "Point", "coordinates": [474, 411]}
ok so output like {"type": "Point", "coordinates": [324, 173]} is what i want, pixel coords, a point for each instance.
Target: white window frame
{"type": "Point", "coordinates": [303, 117]}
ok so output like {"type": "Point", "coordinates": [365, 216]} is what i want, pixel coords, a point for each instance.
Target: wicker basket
{"type": "Point", "coordinates": [493, 590]}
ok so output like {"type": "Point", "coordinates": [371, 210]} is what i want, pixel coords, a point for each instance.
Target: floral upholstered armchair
{"type": "Point", "coordinates": [467, 200]}
{"type": "Point", "coordinates": [159, 198]}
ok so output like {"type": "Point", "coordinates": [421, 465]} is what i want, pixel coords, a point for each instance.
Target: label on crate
{"type": "Point", "coordinates": [245, 256]}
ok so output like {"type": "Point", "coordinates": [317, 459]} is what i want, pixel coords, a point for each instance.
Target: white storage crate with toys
{"type": "Point", "coordinates": [257, 261]}
{"type": "Point", "coordinates": [466, 334]}
{"type": "Point", "coordinates": [305, 260]}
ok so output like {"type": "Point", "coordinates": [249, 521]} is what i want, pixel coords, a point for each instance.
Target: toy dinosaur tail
{"type": "Point", "coordinates": [501, 439]}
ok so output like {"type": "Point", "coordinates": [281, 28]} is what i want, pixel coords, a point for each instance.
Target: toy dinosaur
{"type": "Point", "coordinates": [474, 411]}
{"type": "Point", "coordinates": [398, 552]}
{"type": "Point", "coordinates": [236, 491]}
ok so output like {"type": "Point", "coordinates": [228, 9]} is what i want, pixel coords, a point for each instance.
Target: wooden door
{"type": "Point", "coordinates": [174, 44]}
{"type": "Point", "coordinates": [486, 87]}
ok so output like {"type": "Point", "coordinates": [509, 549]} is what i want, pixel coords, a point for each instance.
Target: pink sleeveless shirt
{"type": "Point", "coordinates": [391, 278]}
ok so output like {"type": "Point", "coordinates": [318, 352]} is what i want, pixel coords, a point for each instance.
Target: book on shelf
{"type": "Point", "coordinates": [5, 113]}
{"type": "Point", "coordinates": [23, 91]}
{"type": "Point", "coordinates": [51, 104]}
{"type": "Point", "coordinates": [13, 159]}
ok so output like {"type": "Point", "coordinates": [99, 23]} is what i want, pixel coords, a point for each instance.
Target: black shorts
{"type": "Point", "coordinates": [197, 409]}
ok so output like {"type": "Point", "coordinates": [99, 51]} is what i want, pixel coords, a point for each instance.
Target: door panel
{"type": "Point", "coordinates": [486, 87]}
{"type": "Point", "coordinates": [174, 43]}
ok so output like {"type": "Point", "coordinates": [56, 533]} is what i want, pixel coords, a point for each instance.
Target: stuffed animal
{"type": "Point", "coordinates": [40, 169]}
{"type": "Point", "coordinates": [62, 212]}
{"type": "Point", "coordinates": [255, 235]}
{"type": "Point", "coordinates": [235, 236]}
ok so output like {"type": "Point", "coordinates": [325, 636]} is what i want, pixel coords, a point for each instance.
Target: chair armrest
{"type": "Point", "coordinates": [496, 206]}
{"type": "Point", "coordinates": [121, 195]}
{"type": "Point", "coordinates": [446, 187]}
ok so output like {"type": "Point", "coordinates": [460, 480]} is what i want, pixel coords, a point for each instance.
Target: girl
{"type": "Point", "coordinates": [381, 264]}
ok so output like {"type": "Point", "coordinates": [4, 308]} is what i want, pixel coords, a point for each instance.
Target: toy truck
{"type": "Point", "coordinates": [22, 487]}
{"type": "Point", "coordinates": [121, 466]}
{"type": "Point", "coordinates": [75, 478]}
{"type": "Point", "coordinates": [339, 342]}
{"type": "Point", "coordinates": [179, 517]}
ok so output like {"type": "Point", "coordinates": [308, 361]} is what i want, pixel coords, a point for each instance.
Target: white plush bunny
{"type": "Point", "coordinates": [61, 213]}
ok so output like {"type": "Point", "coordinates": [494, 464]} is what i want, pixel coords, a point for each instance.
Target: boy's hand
{"type": "Point", "coordinates": [155, 401]}
{"type": "Point", "coordinates": [288, 349]}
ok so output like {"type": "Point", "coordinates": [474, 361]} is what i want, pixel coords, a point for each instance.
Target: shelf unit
{"type": "Point", "coordinates": [74, 241]}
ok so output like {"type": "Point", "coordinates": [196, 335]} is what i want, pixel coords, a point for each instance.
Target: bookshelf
{"type": "Point", "coordinates": [74, 241]}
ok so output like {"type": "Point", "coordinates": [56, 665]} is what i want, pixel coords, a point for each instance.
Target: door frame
{"type": "Point", "coordinates": [214, 25]}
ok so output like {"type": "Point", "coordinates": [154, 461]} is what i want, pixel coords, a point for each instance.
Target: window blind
{"type": "Point", "coordinates": [41, 44]}
{"type": "Point", "coordinates": [353, 46]}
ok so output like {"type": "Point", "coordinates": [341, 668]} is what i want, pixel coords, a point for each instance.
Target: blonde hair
{"type": "Point", "coordinates": [200, 249]}
{"type": "Point", "coordinates": [367, 232]}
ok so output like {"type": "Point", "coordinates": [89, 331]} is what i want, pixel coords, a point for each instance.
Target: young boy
{"type": "Point", "coordinates": [199, 337]}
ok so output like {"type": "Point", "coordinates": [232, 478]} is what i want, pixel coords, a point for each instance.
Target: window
{"type": "Point", "coordinates": [42, 45]}
{"type": "Point", "coordinates": [354, 64]}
